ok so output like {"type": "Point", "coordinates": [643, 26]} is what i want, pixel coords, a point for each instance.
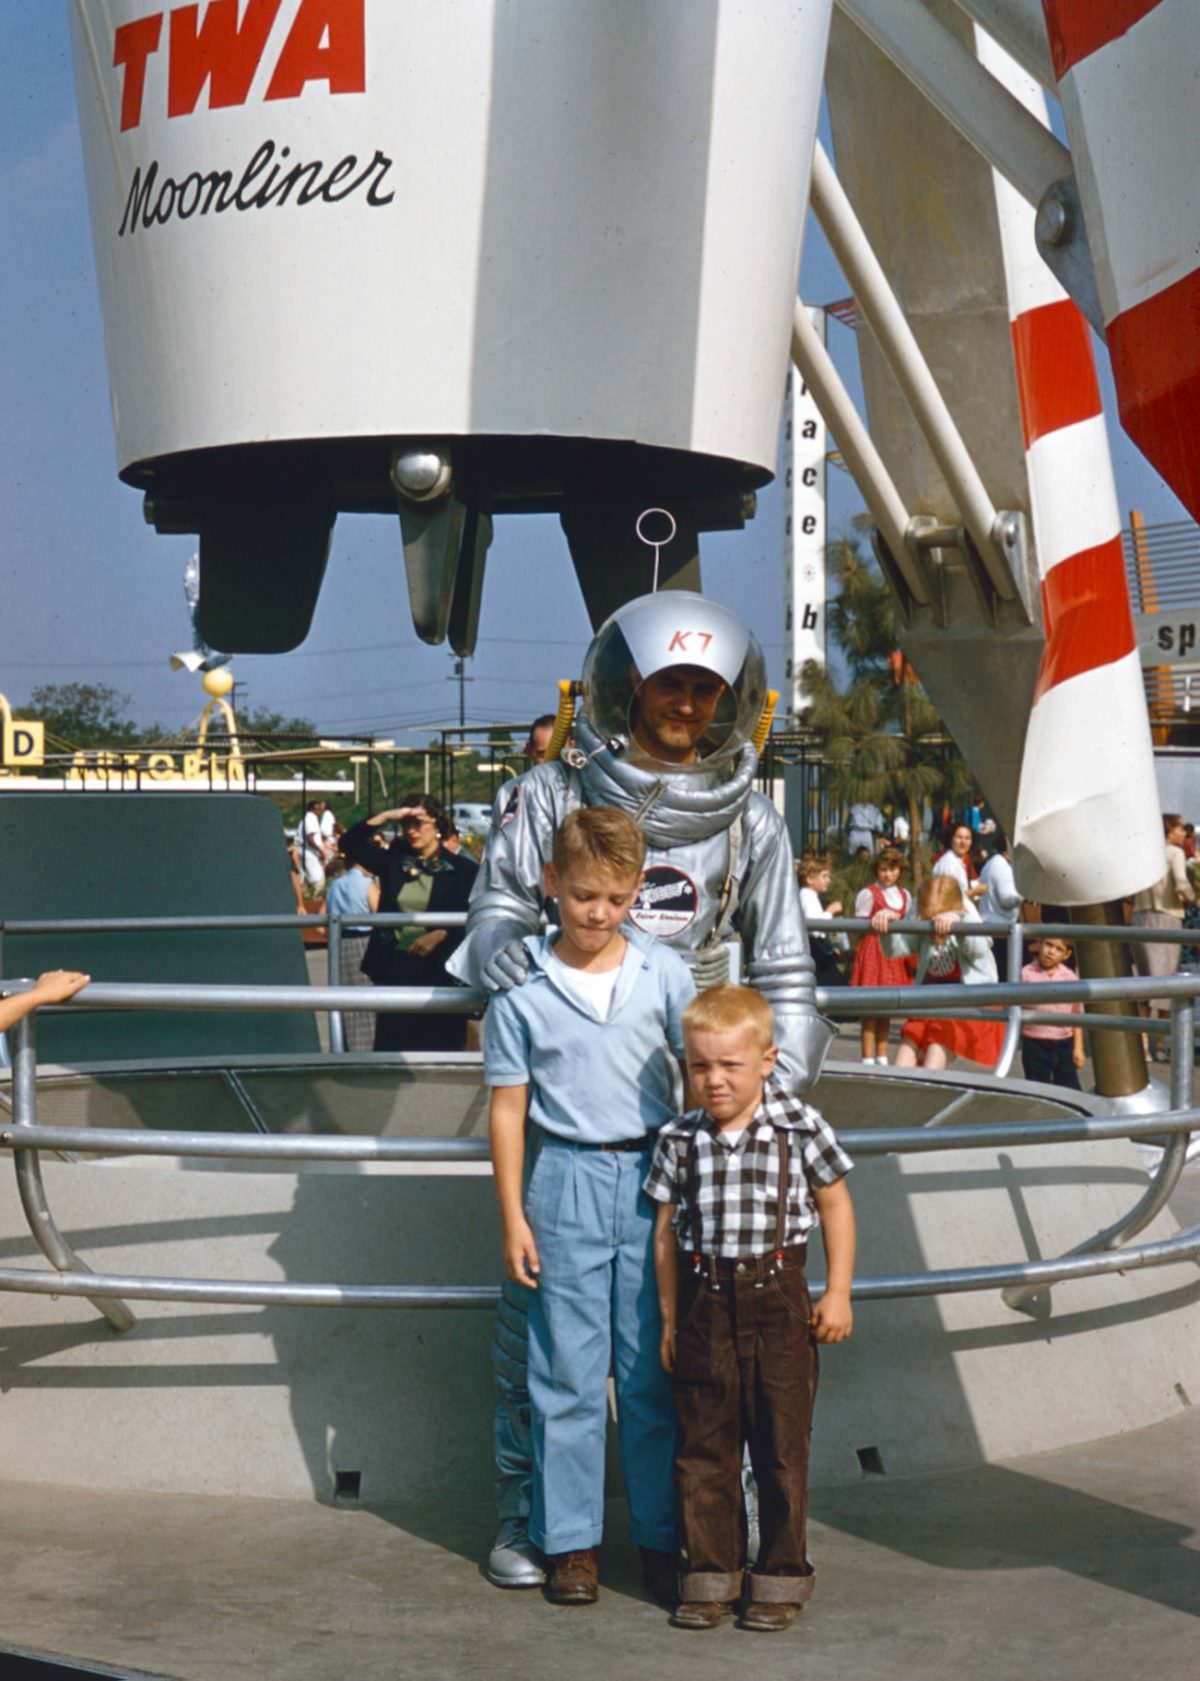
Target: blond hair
{"type": "Point", "coordinates": [725, 1009]}
{"type": "Point", "coordinates": [600, 834]}
{"type": "Point", "coordinates": [813, 863]}
{"type": "Point", "coordinates": [938, 894]}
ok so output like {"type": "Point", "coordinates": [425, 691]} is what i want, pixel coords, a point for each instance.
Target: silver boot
{"type": "Point", "coordinates": [514, 1561]}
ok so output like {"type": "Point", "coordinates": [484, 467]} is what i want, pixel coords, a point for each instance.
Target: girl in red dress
{"type": "Point", "coordinates": [952, 954]}
{"type": "Point", "coordinates": [871, 966]}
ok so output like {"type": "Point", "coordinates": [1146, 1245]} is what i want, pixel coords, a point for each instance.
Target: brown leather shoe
{"type": "Point", "coordinates": [700, 1613]}
{"type": "Point", "coordinates": [660, 1577]}
{"type": "Point", "coordinates": [768, 1618]}
{"type": "Point", "coordinates": [574, 1578]}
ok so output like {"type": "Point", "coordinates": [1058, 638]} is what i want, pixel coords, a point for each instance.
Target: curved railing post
{"type": "Point", "coordinates": [337, 1029]}
{"type": "Point", "coordinates": [32, 1191]}
{"type": "Point", "coordinates": [1171, 1164]}
{"type": "Point", "coordinates": [1012, 974]}
{"type": "Point", "coordinates": [1183, 1051]}
{"type": "Point", "coordinates": [1105, 1253]}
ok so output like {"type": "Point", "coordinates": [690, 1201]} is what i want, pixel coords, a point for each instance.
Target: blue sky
{"type": "Point", "coordinates": [89, 593]}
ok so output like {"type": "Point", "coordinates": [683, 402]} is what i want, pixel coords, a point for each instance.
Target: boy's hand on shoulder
{"type": "Point", "coordinates": [666, 1346]}
{"type": "Point", "coordinates": [521, 1261]}
{"type": "Point", "coordinates": [833, 1317]}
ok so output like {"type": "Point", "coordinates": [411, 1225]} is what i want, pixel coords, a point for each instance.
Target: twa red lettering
{"type": "Point", "coordinates": [679, 642]}
{"type": "Point", "coordinates": [211, 46]}
{"type": "Point", "coordinates": [132, 46]}
{"type": "Point", "coordinates": [216, 51]}
{"type": "Point", "coordinates": [315, 52]}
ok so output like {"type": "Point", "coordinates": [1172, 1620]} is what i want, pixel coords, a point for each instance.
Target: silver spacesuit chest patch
{"type": "Point", "coordinates": [667, 902]}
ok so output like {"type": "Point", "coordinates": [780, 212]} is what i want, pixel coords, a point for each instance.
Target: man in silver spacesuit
{"type": "Point", "coordinates": [673, 689]}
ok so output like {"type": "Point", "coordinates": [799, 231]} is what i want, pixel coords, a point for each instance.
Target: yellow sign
{"type": "Point", "coordinates": [127, 770]}
{"type": "Point", "coordinates": [22, 747]}
{"type": "Point", "coordinates": [22, 744]}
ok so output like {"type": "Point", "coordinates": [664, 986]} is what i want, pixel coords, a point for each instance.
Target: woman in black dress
{"type": "Point", "coordinates": [417, 873]}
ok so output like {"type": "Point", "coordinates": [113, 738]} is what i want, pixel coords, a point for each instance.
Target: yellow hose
{"type": "Point", "coordinates": [564, 719]}
{"type": "Point", "coordinates": [763, 729]}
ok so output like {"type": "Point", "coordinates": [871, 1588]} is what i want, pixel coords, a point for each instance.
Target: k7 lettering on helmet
{"type": "Point", "coordinates": [325, 43]}
{"type": "Point", "coordinates": [681, 643]}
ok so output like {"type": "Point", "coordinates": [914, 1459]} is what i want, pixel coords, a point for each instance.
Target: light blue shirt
{"type": "Point", "coordinates": [347, 895]}
{"type": "Point", "coordinates": [593, 1081]}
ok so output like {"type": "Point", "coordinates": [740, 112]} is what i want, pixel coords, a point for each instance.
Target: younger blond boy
{"type": "Point", "coordinates": [741, 1182]}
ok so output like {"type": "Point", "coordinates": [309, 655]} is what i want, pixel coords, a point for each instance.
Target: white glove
{"type": "Point", "coordinates": [506, 968]}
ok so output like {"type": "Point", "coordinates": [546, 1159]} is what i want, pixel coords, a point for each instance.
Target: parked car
{"type": "Point", "coordinates": [472, 817]}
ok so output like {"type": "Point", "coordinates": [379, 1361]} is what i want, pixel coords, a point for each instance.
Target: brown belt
{"type": "Point", "coordinates": [751, 1268]}
{"type": "Point", "coordinates": [620, 1144]}
{"type": "Point", "coordinates": [755, 1268]}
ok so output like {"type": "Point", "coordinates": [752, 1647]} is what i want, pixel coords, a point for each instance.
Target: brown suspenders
{"type": "Point", "coordinates": [691, 1179]}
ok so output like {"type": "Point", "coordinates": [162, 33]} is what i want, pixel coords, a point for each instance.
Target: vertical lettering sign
{"type": "Point", "coordinates": [804, 529]}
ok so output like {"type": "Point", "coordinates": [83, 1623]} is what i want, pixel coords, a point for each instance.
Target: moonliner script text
{"type": "Point", "coordinates": [269, 179]}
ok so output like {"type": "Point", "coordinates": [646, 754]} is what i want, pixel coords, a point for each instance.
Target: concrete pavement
{"type": "Point", "coordinates": [1082, 1565]}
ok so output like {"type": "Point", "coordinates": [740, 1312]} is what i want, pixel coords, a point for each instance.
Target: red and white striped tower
{"type": "Point", "coordinates": [1088, 827]}
{"type": "Point", "coordinates": [1127, 77]}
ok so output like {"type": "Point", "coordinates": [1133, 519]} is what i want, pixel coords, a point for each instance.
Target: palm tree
{"type": "Point", "coordinates": [883, 740]}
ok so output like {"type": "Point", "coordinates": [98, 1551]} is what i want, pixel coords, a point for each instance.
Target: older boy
{"type": "Point", "coordinates": [588, 1045]}
{"type": "Point", "coordinates": [743, 1180]}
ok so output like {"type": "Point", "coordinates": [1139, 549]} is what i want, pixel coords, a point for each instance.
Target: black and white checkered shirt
{"type": "Point", "coordinates": [727, 1184]}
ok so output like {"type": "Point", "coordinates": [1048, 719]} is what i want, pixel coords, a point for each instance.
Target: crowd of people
{"type": "Point", "coordinates": [971, 881]}
{"type": "Point", "coordinates": [411, 859]}
{"type": "Point", "coordinates": [948, 897]}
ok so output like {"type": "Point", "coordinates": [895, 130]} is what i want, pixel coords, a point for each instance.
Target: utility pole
{"type": "Point", "coordinates": [460, 677]}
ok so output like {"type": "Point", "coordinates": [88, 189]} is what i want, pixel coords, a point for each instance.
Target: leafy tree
{"type": "Point", "coordinates": [883, 739]}
{"type": "Point", "coordinates": [80, 715]}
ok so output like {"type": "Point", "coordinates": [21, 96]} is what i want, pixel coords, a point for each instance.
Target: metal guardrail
{"type": "Point", "coordinates": [335, 927]}
{"type": "Point", "coordinates": [1108, 1251]}
{"type": "Point", "coordinates": [831, 999]}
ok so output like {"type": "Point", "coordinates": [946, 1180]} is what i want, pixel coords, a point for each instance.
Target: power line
{"type": "Point", "coordinates": [300, 653]}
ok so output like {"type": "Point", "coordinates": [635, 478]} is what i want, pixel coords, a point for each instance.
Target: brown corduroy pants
{"type": "Point", "coordinates": [745, 1373]}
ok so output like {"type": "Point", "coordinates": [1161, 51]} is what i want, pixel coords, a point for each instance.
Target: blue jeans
{"type": "Point", "coordinates": [510, 1418]}
{"type": "Point", "coordinates": [596, 1308]}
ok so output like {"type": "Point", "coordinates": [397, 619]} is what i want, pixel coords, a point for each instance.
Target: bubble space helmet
{"type": "Point", "coordinates": [675, 628]}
